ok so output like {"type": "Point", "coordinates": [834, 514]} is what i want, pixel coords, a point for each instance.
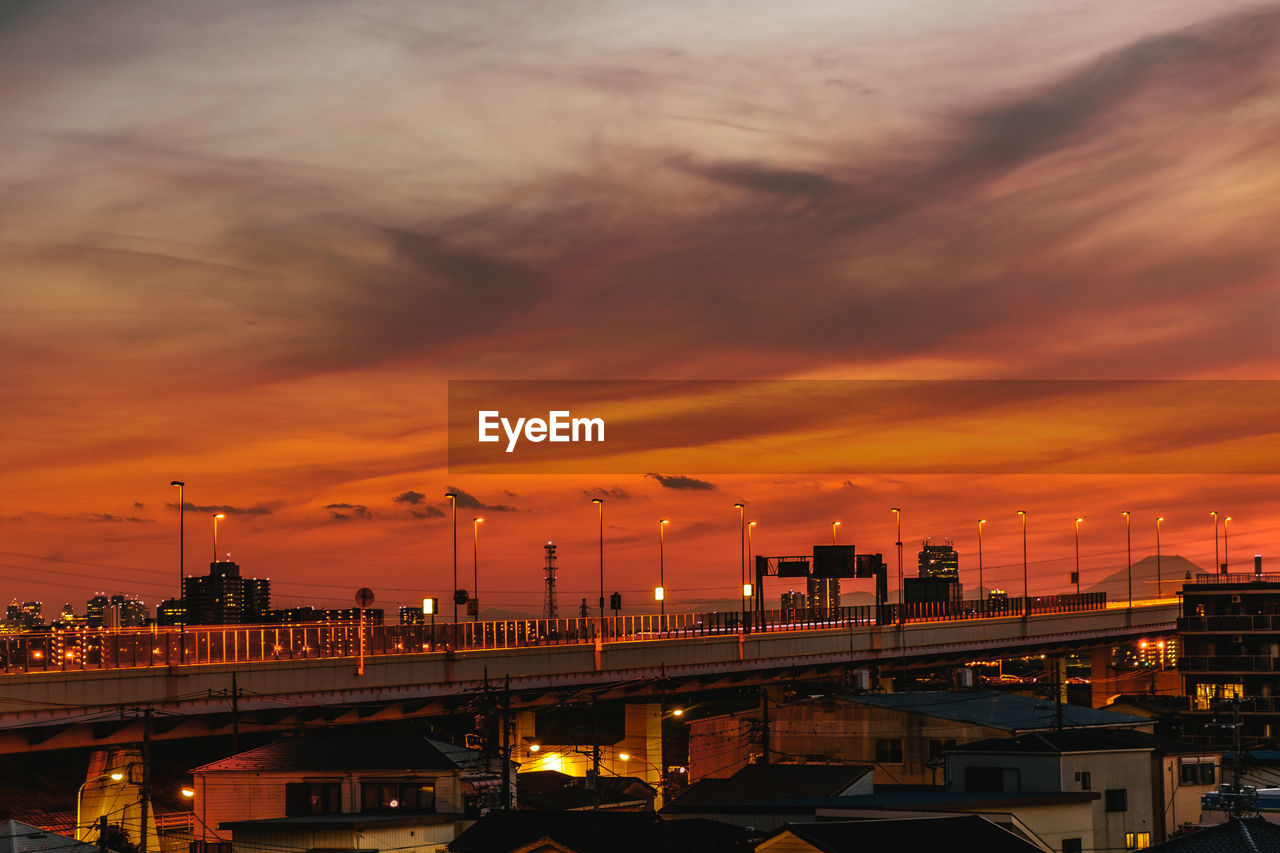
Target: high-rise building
{"type": "Point", "coordinates": [224, 597]}
{"type": "Point", "coordinates": [412, 616]}
{"type": "Point", "coordinates": [939, 561]}
{"type": "Point", "coordinates": [171, 611]}
{"type": "Point", "coordinates": [341, 616]}
{"type": "Point", "coordinates": [95, 610]}
{"type": "Point", "coordinates": [129, 611]}
{"type": "Point", "coordinates": [824, 597]}
{"type": "Point", "coordinates": [793, 602]}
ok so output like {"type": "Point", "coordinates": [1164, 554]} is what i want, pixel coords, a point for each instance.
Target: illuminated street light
{"type": "Point", "coordinates": [1217, 566]}
{"type": "Point", "coordinates": [1226, 545]}
{"type": "Point", "coordinates": [453, 502]}
{"type": "Point", "coordinates": [834, 525]}
{"type": "Point", "coordinates": [1158, 520]}
{"type": "Point", "coordinates": [1078, 520]}
{"type": "Point", "coordinates": [1128, 544]}
{"type": "Point", "coordinates": [113, 775]}
{"type": "Point", "coordinates": [902, 604]}
{"type": "Point", "coordinates": [1026, 597]}
{"type": "Point", "coordinates": [742, 559]}
{"type": "Point", "coordinates": [982, 590]}
{"type": "Point", "coordinates": [475, 563]}
{"type": "Point", "coordinates": [599, 502]}
{"type": "Point", "coordinates": [181, 535]}
{"type": "Point", "coordinates": [660, 594]}
{"type": "Point", "coordinates": [218, 516]}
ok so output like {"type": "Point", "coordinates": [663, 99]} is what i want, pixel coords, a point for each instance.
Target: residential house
{"type": "Point", "coordinates": [967, 832]}
{"type": "Point", "coordinates": [902, 734]}
{"type": "Point", "coordinates": [597, 832]}
{"type": "Point", "coordinates": [1149, 785]}
{"type": "Point", "coordinates": [411, 794]}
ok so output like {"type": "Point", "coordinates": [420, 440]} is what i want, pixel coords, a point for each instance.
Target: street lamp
{"type": "Point", "coordinates": [901, 601]}
{"type": "Point", "coordinates": [1078, 555]}
{"type": "Point", "coordinates": [181, 536]}
{"type": "Point", "coordinates": [1226, 545]}
{"type": "Point", "coordinates": [1216, 565]}
{"type": "Point", "coordinates": [751, 562]}
{"type": "Point", "coordinates": [1128, 545]}
{"type": "Point", "coordinates": [453, 501]}
{"type": "Point", "coordinates": [216, 518]}
{"type": "Point", "coordinates": [114, 776]}
{"type": "Point", "coordinates": [982, 590]}
{"type": "Point", "coordinates": [741, 542]}
{"type": "Point", "coordinates": [599, 502]}
{"type": "Point", "coordinates": [834, 525]}
{"type": "Point", "coordinates": [475, 563]}
{"type": "Point", "coordinates": [1158, 520]}
{"type": "Point", "coordinates": [1026, 597]}
{"type": "Point", "coordinates": [661, 592]}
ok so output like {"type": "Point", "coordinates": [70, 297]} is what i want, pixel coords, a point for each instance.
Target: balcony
{"type": "Point", "coordinates": [1229, 663]}
{"type": "Point", "coordinates": [1269, 624]}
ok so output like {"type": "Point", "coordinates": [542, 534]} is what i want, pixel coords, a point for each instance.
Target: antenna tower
{"type": "Point", "coordinates": [549, 608]}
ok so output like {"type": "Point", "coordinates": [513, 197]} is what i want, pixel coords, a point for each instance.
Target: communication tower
{"type": "Point", "coordinates": [549, 608]}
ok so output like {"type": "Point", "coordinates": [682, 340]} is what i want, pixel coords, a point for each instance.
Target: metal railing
{"type": "Point", "coordinates": [1229, 663]}
{"type": "Point", "coordinates": [53, 650]}
{"type": "Point", "coordinates": [1237, 577]}
{"type": "Point", "coordinates": [1229, 624]}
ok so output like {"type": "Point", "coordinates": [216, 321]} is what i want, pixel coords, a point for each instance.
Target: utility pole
{"type": "Point", "coordinates": [595, 750]}
{"type": "Point", "coordinates": [235, 714]}
{"type": "Point", "coordinates": [506, 744]}
{"type": "Point", "coordinates": [764, 725]}
{"type": "Point", "coordinates": [146, 775]}
{"type": "Point", "coordinates": [102, 834]}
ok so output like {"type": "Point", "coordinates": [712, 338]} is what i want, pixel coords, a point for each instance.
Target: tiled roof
{"type": "Point", "coordinates": [928, 833]}
{"type": "Point", "coordinates": [765, 783]}
{"type": "Point", "coordinates": [18, 837]}
{"type": "Point", "coordinates": [599, 832]}
{"type": "Point", "coordinates": [995, 709]}
{"type": "Point", "coordinates": [331, 753]}
{"type": "Point", "coordinates": [551, 790]}
{"type": "Point", "coordinates": [1088, 740]}
{"type": "Point", "coordinates": [1248, 834]}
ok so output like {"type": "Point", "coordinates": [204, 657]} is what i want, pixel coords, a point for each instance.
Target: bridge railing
{"type": "Point", "coordinates": [83, 649]}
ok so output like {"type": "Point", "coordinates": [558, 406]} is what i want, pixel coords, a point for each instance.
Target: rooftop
{"type": "Point", "coordinates": [1090, 740]}
{"type": "Point", "coordinates": [995, 709]}
{"type": "Point", "coordinates": [758, 784]}
{"type": "Point", "coordinates": [599, 832]}
{"type": "Point", "coordinates": [342, 821]}
{"type": "Point", "coordinates": [927, 833]}
{"type": "Point", "coordinates": [332, 753]}
{"type": "Point", "coordinates": [1248, 834]}
{"type": "Point", "coordinates": [19, 837]}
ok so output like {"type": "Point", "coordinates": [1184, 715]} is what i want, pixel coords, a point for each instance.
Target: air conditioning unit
{"type": "Point", "coordinates": [1235, 599]}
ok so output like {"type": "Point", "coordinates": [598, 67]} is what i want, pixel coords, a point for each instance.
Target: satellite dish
{"type": "Point", "coordinates": [364, 596]}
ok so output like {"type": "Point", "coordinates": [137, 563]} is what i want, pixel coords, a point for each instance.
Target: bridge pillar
{"type": "Point", "coordinates": [1102, 677]}
{"type": "Point", "coordinates": [120, 800]}
{"type": "Point", "coordinates": [643, 744]}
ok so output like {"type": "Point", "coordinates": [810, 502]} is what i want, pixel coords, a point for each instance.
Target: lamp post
{"type": "Point", "coordinates": [1216, 565]}
{"type": "Point", "coordinates": [834, 525]}
{"type": "Point", "coordinates": [1226, 544]}
{"type": "Point", "coordinates": [1026, 597]}
{"type": "Point", "coordinates": [1128, 546]}
{"type": "Point", "coordinates": [181, 536]}
{"type": "Point", "coordinates": [751, 561]}
{"type": "Point", "coordinates": [453, 502]}
{"type": "Point", "coordinates": [599, 502]}
{"type": "Point", "coordinates": [982, 590]}
{"type": "Point", "coordinates": [475, 563]}
{"type": "Point", "coordinates": [1078, 520]}
{"type": "Point", "coordinates": [216, 518]}
{"type": "Point", "coordinates": [902, 602]}
{"type": "Point", "coordinates": [741, 542]}
{"type": "Point", "coordinates": [114, 776]}
{"type": "Point", "coordinates": [1158, 520]}
{"type": "Point", "coordinates": [662, 578]}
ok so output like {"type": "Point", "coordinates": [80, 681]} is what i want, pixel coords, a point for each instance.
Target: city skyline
{"type": "Point", "coordinates": [246, 246]}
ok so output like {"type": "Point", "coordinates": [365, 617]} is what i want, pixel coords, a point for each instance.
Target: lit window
{"type": "Point", "coordinates": [1137, 840]}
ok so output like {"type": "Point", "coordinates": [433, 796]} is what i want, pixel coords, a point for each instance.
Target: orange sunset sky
{"type": "Point", "coordinates": [246, 244]}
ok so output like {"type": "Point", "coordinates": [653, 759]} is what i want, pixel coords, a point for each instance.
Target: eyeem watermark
{"type": "Point", "coordinates": [559, 426]}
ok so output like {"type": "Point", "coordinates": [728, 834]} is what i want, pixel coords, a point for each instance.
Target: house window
{"type": "Point", "coordinates": [1117, 799]}
{"type": "Point", "coordinates": [417, 795]}
{"type": "Point", "coordinates": [1137, 840]}
{"type": "Point", "coordinates": [1072, 845]}
{"type": "Point", "coordinates": [889, 750]}
{"type": "Point", "coordinates": [937, 746]}
{"type": "Point", "coordinates": [1196, 773]}
{"type": "Point", "coordinates": [1206, 774]}
{"type": "Point", "coordinates": [1086, 780]}
{"type": "Point", "coordinates": [302, 799]}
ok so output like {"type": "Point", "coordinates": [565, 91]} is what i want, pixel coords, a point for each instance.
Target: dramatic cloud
{"type": "Point", "coordinates": [616, 493]}
{"type": "Point", "coordinates": [346, 511]}
{"type": "Point", "coordinates": [225, 509]}
{"type": "Point", "coordinates": [679, 481]}
{"type": "Point", "coordinates": [106, 516]}
{"type": "Point", "coordinates": [466, 500]}
{"type": "Point", "coordinates": [410, 497]}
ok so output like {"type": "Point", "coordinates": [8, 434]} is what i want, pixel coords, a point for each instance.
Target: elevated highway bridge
{"type": "Point", "coordinates": [91, 688]}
